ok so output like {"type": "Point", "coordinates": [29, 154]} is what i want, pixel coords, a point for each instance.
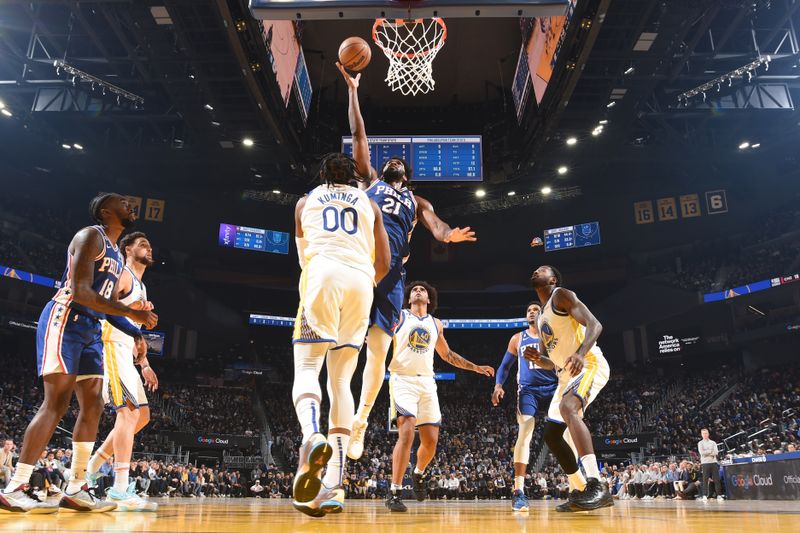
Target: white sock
{"type": "Point", "coordinates": [418, 471]}
{"type": "Point", "coordinates": [81, 451]}
{"type": "Point", "coordinates": [396, 488]}
{"type": "Point", "coordinates": [22, 475]}
{"type": "Point", "coordinates": [335, 471]}
{"type": "Point", "coordinates": [576, 481]}
{"type": "Point", "coordinates": [308, 359]}
{"type": "Point", "coordinates": [121, 471]}
{"type": "Point", "coordinates": [98, 458]}
{"type": "Point", "coordinates": [378, 343]}
{"type": "Point", "coordinates": [519, 482]}
{"type": "Point", "coordinates": [589, 463]}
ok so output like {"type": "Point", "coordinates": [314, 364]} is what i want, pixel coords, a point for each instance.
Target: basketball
{"type": "Point", "coordinates": [354, 54]}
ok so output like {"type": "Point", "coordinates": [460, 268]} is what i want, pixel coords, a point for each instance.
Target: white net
{"type": "Point", "coordinates": [410, 46]}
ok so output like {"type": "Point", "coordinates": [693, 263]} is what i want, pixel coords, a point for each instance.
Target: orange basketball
{"type": "Point", "coordinates": [354, 53]}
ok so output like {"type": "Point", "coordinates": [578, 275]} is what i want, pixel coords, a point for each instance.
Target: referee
{"type": "Point", "coordinates": [708, 460]}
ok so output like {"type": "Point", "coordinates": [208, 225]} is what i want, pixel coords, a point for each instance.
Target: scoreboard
{"type": "Point", "coordinates": [433, 158]}
{"type": "Point", "coordinates": [260, 240]}
{"type": "Point", "coordinates": [576, 236]}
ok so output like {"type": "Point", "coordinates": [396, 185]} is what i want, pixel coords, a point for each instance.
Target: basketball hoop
{"type": "Point", "coordinates": [410, 45]}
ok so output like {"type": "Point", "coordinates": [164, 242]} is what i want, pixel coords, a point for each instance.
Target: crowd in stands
{"type": "Point", "coordinates": [213, 409]}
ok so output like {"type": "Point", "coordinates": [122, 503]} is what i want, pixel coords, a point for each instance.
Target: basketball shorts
{"type": "Point", "coordinates": [121, 381]}
{"type": "Point", "coordinates": [415, 396]}
{"type": "Point", "coordinates": [532, 400]}
{"type": "Point", "coordinates": [68, 342]}
{"type": "Point", "coordinates": [335, 300]}
{"type": "Point", "coordinates": [388, 301]}
{"type": "Point", "coordinates": [586, 385]}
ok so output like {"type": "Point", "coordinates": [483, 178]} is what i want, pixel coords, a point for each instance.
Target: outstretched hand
{"type": "Point", "coordinates": [462, 235]}
{"type": "Point", "coordinates": [485, 370]}
{"type": "Point", "coordinates": [352, 82]}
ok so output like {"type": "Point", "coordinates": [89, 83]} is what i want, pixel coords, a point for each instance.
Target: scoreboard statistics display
{"type": "Point", "coordinates": [433, 158]}
{"type": "Point", "coordinates": [577, 236]}
{"type": "Point", "coordinates": [258, 239]}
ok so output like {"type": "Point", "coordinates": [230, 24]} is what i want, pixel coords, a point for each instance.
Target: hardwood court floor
{"type": "Point", "coordinates": [268, 516]}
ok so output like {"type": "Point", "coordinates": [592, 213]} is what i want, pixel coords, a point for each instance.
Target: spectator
{"type": "Point", "coordinates": [6, 456]}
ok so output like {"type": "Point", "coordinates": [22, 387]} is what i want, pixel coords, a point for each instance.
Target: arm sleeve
{"type": "Point", "coordinates": [505, 367]}
{"type": "Point", "coordinates": [124, 325]}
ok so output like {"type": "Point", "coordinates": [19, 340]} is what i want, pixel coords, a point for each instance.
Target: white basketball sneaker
{"type": "Point", "coordinates": [356, 447]}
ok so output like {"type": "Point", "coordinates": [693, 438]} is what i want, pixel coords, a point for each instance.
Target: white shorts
{"type": "Point", "coordinates": [415, 396]}
{"type": "Point", "coordinates": [586, 385]}
{"type": "Point", "coordinates": [335, 301]}
{"type": "Point", "coordinates": [121, 381]}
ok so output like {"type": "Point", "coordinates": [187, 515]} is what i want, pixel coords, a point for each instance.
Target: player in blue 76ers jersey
{"type": "Point", "coordinates": [70, 355]}
{"type": "Point", "coordinates": [400, 210]}
{"type": "Point", "coordinates": [535, 387]}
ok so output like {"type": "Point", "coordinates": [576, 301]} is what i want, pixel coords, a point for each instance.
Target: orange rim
{"type": "Point", "coordinates": [403, 22]}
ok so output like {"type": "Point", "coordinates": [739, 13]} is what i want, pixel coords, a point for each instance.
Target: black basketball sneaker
{"type": "Point", "coordinates": [420, 486]}
{"type": "Point", "coordinates": [594, 496]}
{"type": "Point", "coordinates": [395, 504]}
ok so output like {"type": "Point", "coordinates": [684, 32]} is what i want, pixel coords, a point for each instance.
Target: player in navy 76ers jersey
{"type": "Point", "coordinates": [70, 355]}
{"type": "Point", "coordinates": [400, 210]}
{"type": "Point", "coordinates": [535, 387]}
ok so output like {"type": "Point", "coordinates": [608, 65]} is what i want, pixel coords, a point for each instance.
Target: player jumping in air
{"type": "Point", "coordinates": [535, 387]}
{"type": "Point", "coordinates": [400, 209]}
{"type": "Point", "coordinates": [343, 251]}
{"type": "Point", "coordinates": [568, 332]}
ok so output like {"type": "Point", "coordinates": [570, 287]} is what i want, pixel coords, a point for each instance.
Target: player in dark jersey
{"type": "Point", "coordinates": [535, 388]}
{"type": "Point", "coordinates": [400, 209]}
{"type": "Point", "coordinates": [70, 355]}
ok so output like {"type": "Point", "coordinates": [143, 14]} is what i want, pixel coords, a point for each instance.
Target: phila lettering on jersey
{"type": "Point", "coordinates": [399, 210]}
{"type": "Point", "coordinates": [530, 374]}
{"type": "Point", "coordinates": [108, 266]}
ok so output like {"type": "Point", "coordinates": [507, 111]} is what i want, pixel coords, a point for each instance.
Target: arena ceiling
{"type": "Point", "coordinates": [199, 66]}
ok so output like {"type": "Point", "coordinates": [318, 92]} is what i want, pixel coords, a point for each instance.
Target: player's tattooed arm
{"type": "Point", "coordinates": [451, 357]}
{"type": "Point", "coordinates": [440, 230]}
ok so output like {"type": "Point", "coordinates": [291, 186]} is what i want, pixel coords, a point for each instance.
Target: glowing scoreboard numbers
{"type": "Point", "coordinates": [577, 236]}
{"type": "Point", "coordinates": [433, 158]}
{"type": "Point", "coordinates": [258, 239]}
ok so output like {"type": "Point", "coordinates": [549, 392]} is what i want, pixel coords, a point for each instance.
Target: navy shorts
{"type": "Point", "coordinates": [68, 342]}
{"type": "Point", "coordinates": [388, 301]}
{"type": "Point", "coordinates": [530, 400]}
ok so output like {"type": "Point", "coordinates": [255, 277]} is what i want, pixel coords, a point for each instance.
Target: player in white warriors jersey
{"type": "Point", "coordinates": [413, 388]}
{"type": "Point", "coordinates": [568, 333]}
{"type": "Point", "coordinates": [122, 387]}
{"type": "Point", "coordinates": [343, 251]}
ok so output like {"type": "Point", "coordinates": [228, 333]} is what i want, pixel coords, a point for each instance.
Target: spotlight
{"type": "Point", "coordinates": [209, 107]}
{"type": "Point", "coordinates": [603, 122]}
{"type": "Point", "coordinates": [744, 146]}
{"type": "Point", "coordinates": [756, 145]}
{"type": "Point", "coordinates": [480, 193]}
{"type": "Point", "coordinates": [572, 141]}
{"type": "Point", "coordinates": [511, 193]}
{"type": "Point", "coordinates": [2, 105]}
{"type": "Point", "coordinates": [6, 112]}
{"type": "Point", "coordinates": [629, 70]}
{"type": "Point", "coordinates": [66, 147]}
{"type": "Point", "coordinates": [77, 146]}
{"type": "Point", "coordinates": [562, 170]}
{"type": "Point", "coordinates": [611, 104]}
{"type": "Point", "coordinates": [546, 190]}
{"type": "Point", "coordinates": [275, 191]}
{"type": "Point", "coordinates": [596, 132]}
{"type": "Point", "coordinates": [247, 141]}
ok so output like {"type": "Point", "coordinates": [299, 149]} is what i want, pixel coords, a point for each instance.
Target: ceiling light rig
{"type": "Point", "coordinates": [746, 70]}
{"type": "Point", "coordinates": [97, 83]}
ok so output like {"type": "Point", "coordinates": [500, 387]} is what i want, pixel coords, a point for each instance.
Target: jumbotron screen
{"type": "Point", "coordinates": [456, 158]}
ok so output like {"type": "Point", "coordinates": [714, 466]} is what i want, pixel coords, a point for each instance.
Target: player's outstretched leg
{"type": "Point", "coordinates": [400, 457]}
{"type": "Point", "coordinates": [428, 439]}
{"type": "Point", "coordinates": [522, 451]}
{"type": "Point", "coordinates": [378, 342]}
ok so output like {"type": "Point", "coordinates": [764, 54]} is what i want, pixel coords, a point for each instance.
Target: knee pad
{"type": "Point", "coordinates": [554, 437]}
{"type": "Point", "coordinates": [522, 449]}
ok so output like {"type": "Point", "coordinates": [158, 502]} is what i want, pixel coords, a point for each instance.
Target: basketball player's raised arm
{"type": "Point", "coordinates": [568, 301]}
{"type": "Point", "coordinates": [383, 255]}
{"type": "Point", "coordinates": [438, 227]}
{"type": "Point", "coordinates": [85, 247]}
{"type": "Point", "coordinates": [357, 128]}
{"type": "Point", "coordinates": [299, 238]}
{"type": "Point", "coordinates": [451, 357]}
{"type": "Point", "coordinates": [503, 370]}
